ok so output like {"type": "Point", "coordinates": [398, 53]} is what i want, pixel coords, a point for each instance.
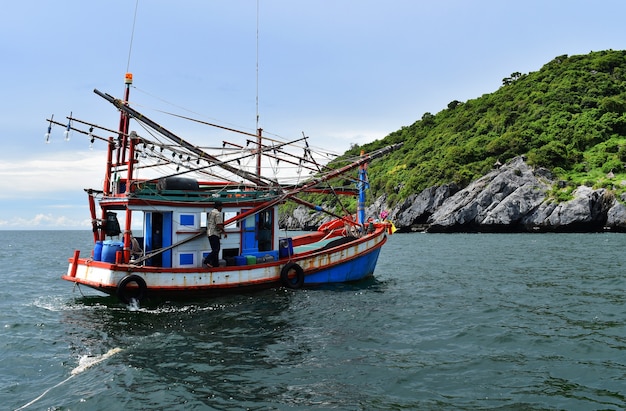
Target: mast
{"type": "Point", "coordinates": [127, 143]}
{"type": "Point", "coordinates": [132, 141]}
{"type": "Point", "coordinates": [124, 121]}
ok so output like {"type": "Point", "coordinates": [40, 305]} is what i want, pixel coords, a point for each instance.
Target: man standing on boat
{"type": "Point", "coordinates": [214, 230]}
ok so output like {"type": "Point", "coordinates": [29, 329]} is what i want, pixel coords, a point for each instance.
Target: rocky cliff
{"type": "Point", "coordinates": [512, 198]}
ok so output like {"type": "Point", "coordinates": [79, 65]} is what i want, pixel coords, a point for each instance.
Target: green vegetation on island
{"type": "Point", "coordinates": [569, 117]}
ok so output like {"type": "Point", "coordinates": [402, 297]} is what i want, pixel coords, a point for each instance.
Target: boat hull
{"type": "Point", "coordinates": [349, 261]}
{"type": "Point", "coordinates": [354, 270]}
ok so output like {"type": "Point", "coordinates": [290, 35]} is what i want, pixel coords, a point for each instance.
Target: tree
{"type": "Point", "coordinates": [453, 104]}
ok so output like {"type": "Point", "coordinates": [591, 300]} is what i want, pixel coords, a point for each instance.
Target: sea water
{"type": "Point", "coordinates": [448, 322]}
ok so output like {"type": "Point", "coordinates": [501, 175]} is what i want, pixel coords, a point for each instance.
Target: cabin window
{"type": "Point", "coordinates": [185, 259]}
{"type": "Point", "coordinates": [250, 221]}
{"type": "Point", "coordinates": [187, 219]}
{"type": "Point", "coordinates": [227, 216]}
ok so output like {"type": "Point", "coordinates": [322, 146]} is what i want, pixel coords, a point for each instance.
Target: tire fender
{"type": "Point", "coordinates": [295, 282]}
{"type": "Point", "coordinates": [125, 294]}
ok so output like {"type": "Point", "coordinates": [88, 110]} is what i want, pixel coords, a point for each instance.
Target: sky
{"type": "Point", "coordinates": [343, 72]}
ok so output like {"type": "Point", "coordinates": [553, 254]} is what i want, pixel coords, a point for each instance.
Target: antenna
{"type": "Point", "coordinates": [132, 35]}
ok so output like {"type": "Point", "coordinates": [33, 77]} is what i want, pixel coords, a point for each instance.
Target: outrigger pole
{"type": "Point", "coordinates": [178, 140]}
{"type": "Point", "coordinates": [315, 181]}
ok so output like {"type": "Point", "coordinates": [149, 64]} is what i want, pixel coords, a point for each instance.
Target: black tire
{"type": "Point", "coordinates": [293, 283]}
{"type": "Point", "coordinates": [125, 295]}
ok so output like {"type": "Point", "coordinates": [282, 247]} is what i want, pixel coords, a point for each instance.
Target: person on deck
{"type": "Point", "coordinates": [135, 248]}
{"type": "Point", "coordinates": [214, 230]}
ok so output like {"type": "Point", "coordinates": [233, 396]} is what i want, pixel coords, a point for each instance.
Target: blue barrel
{"type": "Point", "coordinates": [97, 251]}
{"type": "Point", "coordinates": [240, 260]}
{"type": "Point", "coordinates": [109, 249]}
{"type": "Point", "coordinates": [285, 247]}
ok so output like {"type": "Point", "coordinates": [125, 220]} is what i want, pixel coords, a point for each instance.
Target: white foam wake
{"type": "Point", "coordinates": [88, 362]}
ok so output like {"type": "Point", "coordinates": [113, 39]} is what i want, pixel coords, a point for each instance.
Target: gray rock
{"type": "Point", "coordinates": [513, 198]}
{"type": "Point", "coordinates": [587, 211]}
{"type": "Point", "coordinates": [497, 201]}
{"type": "Point", "coordinates": [417, 208]}
{"type": "Point", "coordinates": [303, 218]}
{"type": "Point", "coordinates": [616, 217]}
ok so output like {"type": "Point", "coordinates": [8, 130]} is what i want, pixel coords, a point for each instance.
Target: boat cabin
{"type": "Point", "coordinates": [255, 235]}
{"type": "Point", "coordinates": [175, 215]}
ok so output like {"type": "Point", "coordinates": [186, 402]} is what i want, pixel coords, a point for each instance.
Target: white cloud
{"type": "Point", "coordinates": [40, 176]}
{"type": "Point", "coordinates": [46, 191]}
{"type": "Point", "coordinates": [45, 221]}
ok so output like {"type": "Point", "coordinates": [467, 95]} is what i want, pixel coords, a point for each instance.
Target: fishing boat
{"type": "Point", "coordinates": [171, 185]}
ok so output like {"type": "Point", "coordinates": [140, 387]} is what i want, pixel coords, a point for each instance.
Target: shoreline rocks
{"type": "Point", "coordinates": [511, 199]}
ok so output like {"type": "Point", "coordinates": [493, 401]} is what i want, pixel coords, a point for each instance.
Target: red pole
{"type": "Point", "coordinates": [124, 119]}
{"type": "Point", "coordinates": [107, 174]}
{"type": "Point", "coordinates": [258, 154]}
{"type": "Point", "coordinates": [94, 222]}
{"type": "Point", "coordinates": [133, 140]}
{"type": "Point", "coordinates": [74, 263]}
{"type": "Point", "coordinates": [129, 178]}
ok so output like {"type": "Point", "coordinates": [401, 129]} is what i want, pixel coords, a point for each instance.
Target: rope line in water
{"type": "Point", "coordinates": [74, 373]}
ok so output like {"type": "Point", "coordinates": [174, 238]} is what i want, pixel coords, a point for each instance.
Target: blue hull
{"type": "Point", "coordinates": [352, 270]}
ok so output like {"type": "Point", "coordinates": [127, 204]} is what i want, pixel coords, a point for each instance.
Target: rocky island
{"type": "Point", "coordinates": [546, 152]}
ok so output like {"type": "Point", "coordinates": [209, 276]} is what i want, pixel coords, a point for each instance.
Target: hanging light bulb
{"type": "Point", "coordinates": [91, 138]}
{"type": "Point", "coordinates": [67, 130]}
{"type": "Point", "coordinates": [47, 135]}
